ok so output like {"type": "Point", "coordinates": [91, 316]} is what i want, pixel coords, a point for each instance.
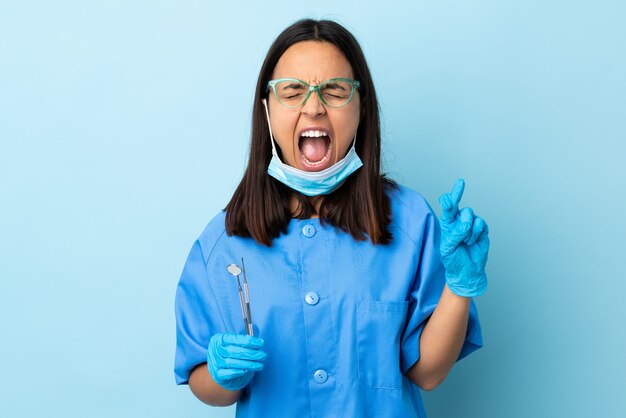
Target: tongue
{"type": "Point", "coordinates": [314, 149]}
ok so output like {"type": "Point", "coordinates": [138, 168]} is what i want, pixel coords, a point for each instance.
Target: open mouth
{"type": "Point", "coordinates": [315, 150]}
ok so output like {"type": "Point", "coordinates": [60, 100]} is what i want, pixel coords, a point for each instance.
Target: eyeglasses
{"type": "Point", "coordinates": [292, 93]}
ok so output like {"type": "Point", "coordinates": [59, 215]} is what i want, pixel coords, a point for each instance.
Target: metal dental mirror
{"type": "Point", "coordinates": [235, 270]}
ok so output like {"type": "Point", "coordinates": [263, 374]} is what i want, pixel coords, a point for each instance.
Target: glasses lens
{"type": "Point", "coordinates": [336, 93]}
{"type": "Point", "coordinates": [291, 93]}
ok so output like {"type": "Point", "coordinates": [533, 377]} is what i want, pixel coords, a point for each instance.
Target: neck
{"type": "Point", "coordinates": [316, 201]}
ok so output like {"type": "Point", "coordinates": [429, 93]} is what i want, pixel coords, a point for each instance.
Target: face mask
{"type": "Point", "coordinates": [312, 183]}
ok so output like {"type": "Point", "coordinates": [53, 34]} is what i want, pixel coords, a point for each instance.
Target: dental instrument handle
{"type": "Point", "coordinates": [245, 287]}
{"type": "Point", "coordinates": [243, 310]}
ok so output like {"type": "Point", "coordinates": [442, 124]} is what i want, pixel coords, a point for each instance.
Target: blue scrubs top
{"type": "Point", "coordinates": [341, 318]}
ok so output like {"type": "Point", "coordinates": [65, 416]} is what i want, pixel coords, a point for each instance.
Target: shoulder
{"type": "Point", "coordinates": [411, 212]}
{"type": "Point", "coordinates": [213, 232]}
{"type": "Point", "coordinates": [406, 201]}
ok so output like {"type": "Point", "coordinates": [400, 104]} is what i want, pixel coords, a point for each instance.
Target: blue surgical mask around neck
{"type": "Point", "coordinates": [312, 183]}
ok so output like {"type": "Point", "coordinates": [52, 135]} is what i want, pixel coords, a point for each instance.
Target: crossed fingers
{"type": "Point", "coordinates": [462, 224]}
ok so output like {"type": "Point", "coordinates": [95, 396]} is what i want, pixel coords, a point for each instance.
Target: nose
{"type": "Point", "coordinates": [313, 105]}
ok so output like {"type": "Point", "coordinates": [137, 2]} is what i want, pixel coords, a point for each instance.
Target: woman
{"type": "Point", "coordinates": [360, 297]}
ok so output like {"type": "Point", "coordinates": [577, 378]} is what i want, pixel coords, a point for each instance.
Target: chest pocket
{"type": "Point", "coordinates": [379, 327]}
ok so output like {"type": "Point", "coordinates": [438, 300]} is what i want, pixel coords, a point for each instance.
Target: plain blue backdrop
{"type": "Point", "coordinates": [124, 128]}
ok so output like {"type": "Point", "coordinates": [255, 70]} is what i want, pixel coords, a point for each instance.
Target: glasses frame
{"type": "Point", "coordinates": [353, 83]}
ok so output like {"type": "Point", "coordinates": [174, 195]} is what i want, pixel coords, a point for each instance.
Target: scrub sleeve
{"type": "Point", "coordinates": [425, 294]}
{"type": "Point", "coordinates": [197, 316]}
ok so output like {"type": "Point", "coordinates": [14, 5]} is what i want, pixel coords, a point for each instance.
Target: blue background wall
{"type": "Point", "coordinates": [120, 139]}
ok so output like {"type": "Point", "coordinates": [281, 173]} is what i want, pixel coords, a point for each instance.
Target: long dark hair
{"type": "Point", "coordinates": [260, 207]}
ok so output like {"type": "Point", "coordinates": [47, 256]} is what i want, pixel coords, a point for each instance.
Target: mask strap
{"type": "Point", "coordinates": [270, 126]}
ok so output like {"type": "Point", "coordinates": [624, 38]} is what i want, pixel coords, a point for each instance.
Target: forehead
{"type": "Point", "coordinates": [313, 62]}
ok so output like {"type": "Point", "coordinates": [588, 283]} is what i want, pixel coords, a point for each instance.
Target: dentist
{"type": "Point", "coordinates": [361, 296]}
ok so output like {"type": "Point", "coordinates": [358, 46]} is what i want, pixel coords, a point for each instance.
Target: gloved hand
{"type": "Point", "coordinates": [232, 359]}
{"type": "Point", "coordinates": [464, 245]}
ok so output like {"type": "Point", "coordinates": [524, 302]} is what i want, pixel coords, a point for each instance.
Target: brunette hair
{"type": "Point", "coordinates": [260, 206]}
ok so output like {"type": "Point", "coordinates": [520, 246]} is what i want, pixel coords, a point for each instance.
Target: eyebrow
{"type": "Point", "coordinates": [336, 86]}
{"type": "Point", "coordinates": [294, 85]}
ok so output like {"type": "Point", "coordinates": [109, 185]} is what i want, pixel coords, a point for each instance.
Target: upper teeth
{"type": "Point", "coordinates": [314, 133]}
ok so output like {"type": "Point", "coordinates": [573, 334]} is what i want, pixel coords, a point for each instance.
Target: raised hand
{"type": "Point", "coordinates": [464, 245]}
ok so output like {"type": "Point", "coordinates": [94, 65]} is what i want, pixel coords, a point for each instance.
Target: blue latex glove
{"type": "Point", "coordinates": [464, 245]}
{"type": "Point", "coordinates": [232, 359]}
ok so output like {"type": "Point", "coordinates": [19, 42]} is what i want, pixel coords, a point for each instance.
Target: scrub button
{"type": "Point", "coordinates": [320, 376]}
{"type": "Point", "coordinates": [308, 231]}
{"type": "Point", "coordinates": [312, 298]}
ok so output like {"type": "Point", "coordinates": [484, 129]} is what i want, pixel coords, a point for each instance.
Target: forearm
{"type": "Point", "coordinates": [441, 340]}
{"type": "Point", "coordinates": [204, 388]}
